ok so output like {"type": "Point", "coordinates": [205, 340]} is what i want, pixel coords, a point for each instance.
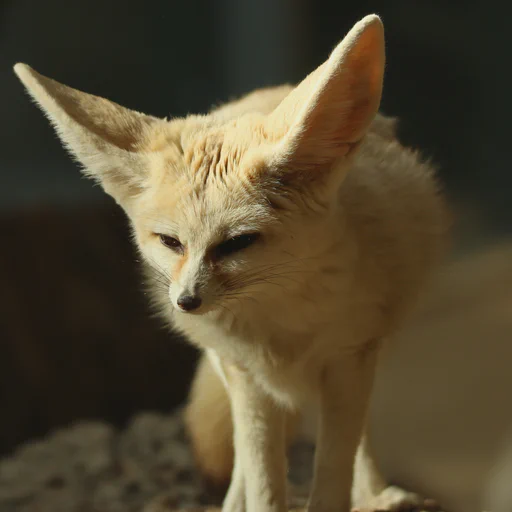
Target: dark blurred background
{"type": "Point", "coordinates": [76, 336]}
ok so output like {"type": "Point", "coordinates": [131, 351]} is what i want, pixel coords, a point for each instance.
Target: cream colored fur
{"type": "Point", "coordinates": [349, 225]}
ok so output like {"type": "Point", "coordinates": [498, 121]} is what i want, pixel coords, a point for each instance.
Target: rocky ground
{"type": "Point", "coordinates": [92, 467]}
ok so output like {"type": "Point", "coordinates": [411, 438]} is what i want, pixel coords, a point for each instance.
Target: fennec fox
{"type": "Point", "coordinates": [286, 235]}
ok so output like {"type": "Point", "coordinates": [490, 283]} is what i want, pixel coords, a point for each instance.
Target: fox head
{"type": "Point", "coordinates": [223, 205]}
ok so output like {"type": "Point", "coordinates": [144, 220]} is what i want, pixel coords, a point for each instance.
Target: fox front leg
{"type": "Point", "coordinates": [345, 394]}
{"type": "Point", "coordinates": [235, 497]}
{"type": "Point", "coordinates": [259, 473]}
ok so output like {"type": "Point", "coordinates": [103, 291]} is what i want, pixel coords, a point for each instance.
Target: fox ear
{"type": "Point", "coordinates": [331, 109]}
{"type": "Point", "coordinates": [107, 139]}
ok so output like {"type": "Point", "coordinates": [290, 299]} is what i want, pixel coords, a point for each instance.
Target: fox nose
{"type": "Point", "coordinates": [189, 302]}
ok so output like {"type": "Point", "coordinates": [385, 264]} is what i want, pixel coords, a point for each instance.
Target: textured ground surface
{"type": "Point", "coordinates": [91, 467]}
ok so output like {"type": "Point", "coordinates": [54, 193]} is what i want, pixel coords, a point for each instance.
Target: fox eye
{"type": "Point", "coordinates": [171, 243]}
{"type": "Point", "coordinates": [235, 244]}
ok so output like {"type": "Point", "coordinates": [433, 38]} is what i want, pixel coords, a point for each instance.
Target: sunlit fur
{"type": "Point", "coordinates": [350, 223]}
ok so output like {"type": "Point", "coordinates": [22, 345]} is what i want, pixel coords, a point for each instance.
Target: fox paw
{"type": "Point", "coordinates": [395, 499]}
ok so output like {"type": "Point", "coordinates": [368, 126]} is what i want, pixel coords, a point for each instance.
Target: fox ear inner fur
{"type": "Point", "coordinates": [107, 139]}
{"type": "Point", "coordinates": [333, 107]}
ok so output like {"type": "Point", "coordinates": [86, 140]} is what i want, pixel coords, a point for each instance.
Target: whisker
{"type": "Point", "coordinates": [224, 307]}
{"type": "Point", "coordinates": [157, 268]}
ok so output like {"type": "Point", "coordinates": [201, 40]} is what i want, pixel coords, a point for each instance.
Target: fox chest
{"type": "Point", "coordinates": [286, 348]}
{"type": "Point", "coordinates": [285, 363]}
